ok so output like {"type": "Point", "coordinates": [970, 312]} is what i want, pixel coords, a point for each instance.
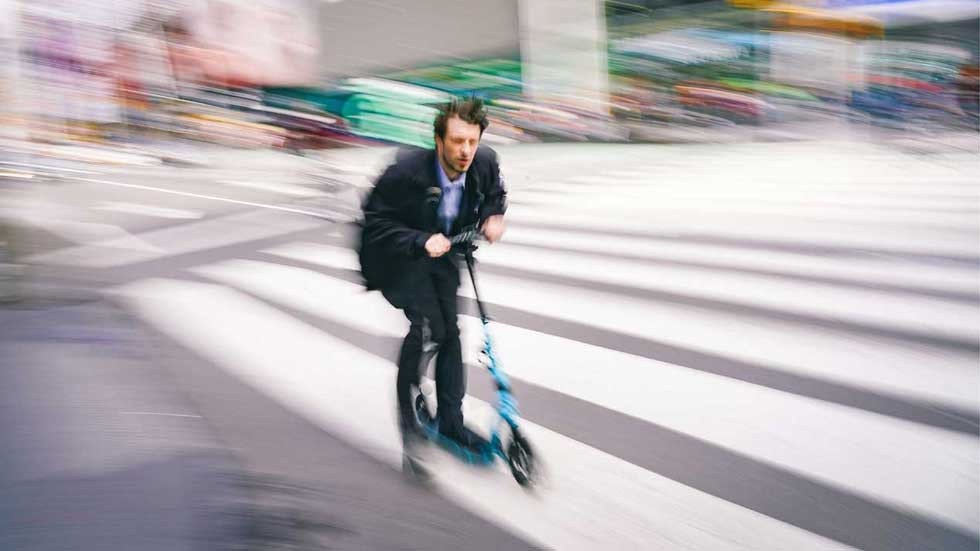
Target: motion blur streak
{"type": "Point", "coordinates": [737, 295]}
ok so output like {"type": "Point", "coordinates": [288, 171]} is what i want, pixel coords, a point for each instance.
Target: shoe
{"type": "Point", "coordinates": [467, 439]}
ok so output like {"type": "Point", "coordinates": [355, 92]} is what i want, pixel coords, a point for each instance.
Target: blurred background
{"type": "Point", "coordinates": [304, 74]}
{"type": "Point", "coordinates": [738, 294]}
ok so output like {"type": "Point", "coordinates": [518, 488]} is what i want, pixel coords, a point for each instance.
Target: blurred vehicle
{"type": "Point", "coordinates": [550, 122]}
{"type": "Point", "coordinates": [392, 111]}
{"type": "Point", "coordinates": [712, 100]}
{"type": "Point", "coordinates": [249, 117]}
{"type": "Point", "coordinates": [388, 111]}
{"type": "Point", "coordinates": [788, 104]}
{"type": "Point", "coordinates": [486, 78]}
{"type": "Point", "coordinates": [376, 109]}
{"type": "Point", "coordinates": [902, 100]}
{"type": "Point", "coordinates": [769, 89]}
{"type": "Point", "coordinates": [501, 131]}
{"type": "Point", "coordinates": [914, 84]}
{"type": "Point", "coordinates": [968, 93]}
{"type": "Point", "coordinates": [307, 128]}
{"type": "Point", "coordinates": [232, 131]}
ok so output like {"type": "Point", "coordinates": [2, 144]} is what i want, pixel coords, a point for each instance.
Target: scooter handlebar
{"type": "Point", "coordinates": [466, 240]}
{"type": "Point", "coordinates": [466, 237]}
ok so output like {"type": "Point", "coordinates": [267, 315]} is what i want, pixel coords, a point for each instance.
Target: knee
{"type": "Point", "coordinates": [446, 334]}
{"type": "Point", "coordinates": [415, 333]}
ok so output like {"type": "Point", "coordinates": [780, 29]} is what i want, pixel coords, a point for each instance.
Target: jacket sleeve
{"type": "Point", "coordinates": [384, 223]}
{"type": "Point", "coordinates": [495, 195]}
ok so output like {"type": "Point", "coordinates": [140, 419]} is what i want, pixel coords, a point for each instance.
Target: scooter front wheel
{"type": "Point", "coordinates": [520, 458]}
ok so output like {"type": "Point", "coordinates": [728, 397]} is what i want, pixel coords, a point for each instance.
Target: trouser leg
{"type": "Point", "coordinates": [433, 309]}
{"type": "Point", "coordinates": [450, 376]}
{"type": "Point", "coordinates": [408, 365]}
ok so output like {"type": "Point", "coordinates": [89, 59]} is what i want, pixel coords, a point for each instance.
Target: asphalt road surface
{"type": "Point", "coordinates": [714, 347]}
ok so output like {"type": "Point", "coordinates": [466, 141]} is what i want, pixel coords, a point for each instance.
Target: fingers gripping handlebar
{"type": "Point", "coordinates": [466, 237]}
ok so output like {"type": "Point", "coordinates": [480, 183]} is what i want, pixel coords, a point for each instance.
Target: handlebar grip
{"type": "Point", "coordinates": [465, 237]}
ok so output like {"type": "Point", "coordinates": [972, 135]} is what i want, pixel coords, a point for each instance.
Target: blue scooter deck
{"type": "Point", "coordinates": [486, 455]}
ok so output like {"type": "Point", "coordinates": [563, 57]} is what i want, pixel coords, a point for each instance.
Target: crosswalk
{"type": "Point", "coordinates": [177, 239]}
{"type": "Point", "coordinates": [739, 363]}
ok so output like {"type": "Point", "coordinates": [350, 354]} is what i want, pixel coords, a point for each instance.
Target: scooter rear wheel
{"type": "Point", "coordinates": [520, 458]}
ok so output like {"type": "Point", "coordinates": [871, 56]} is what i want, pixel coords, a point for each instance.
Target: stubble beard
{"type": "Point", "coordinates": [454, 166]}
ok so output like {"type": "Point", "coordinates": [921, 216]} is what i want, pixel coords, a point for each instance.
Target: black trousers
{"type": "Point", "coordinates": [428, 299]}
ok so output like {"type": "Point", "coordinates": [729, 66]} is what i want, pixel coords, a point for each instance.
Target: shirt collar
{"type": "Point", "coordinates": [444, 181]}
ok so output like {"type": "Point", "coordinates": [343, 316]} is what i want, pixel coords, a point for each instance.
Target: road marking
{"type": "Point", "coordinates": [148, 210]}
{"type": "Point", "coordinates": [280, 187]}
{"type": "Point", "coordinates": [323, 296]}
{"type": "Point", "coordinates": [730, 226]}
{"type": "Point", "coordinates": [180, 239]}
{"type": "Point", "coordinates": [592, 501]}
{"type": "Point", "coordinates": [944, 376]}
{"type": "Point", "coordinates": [161, 414]}
{"type": "Point", "coordinates": [922, 315]}
{"type": "Point", "coordinates": [320, 254]}
{"type": "Point", "coordinates": [837, 445]}
{"type": "Point", "coordinates": [48, 167]}
{"type": "Point", "coordinates": [202, 196]}
{"type": "Point", "coordinates": [866, 270]}
{"type": "Point", "coordinates": [16, 175]}
{"type": "Point", "coordinates": [88, 234]}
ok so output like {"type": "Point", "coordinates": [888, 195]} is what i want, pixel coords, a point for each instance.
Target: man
{"type": "Point", "coordinates": [421, 199]}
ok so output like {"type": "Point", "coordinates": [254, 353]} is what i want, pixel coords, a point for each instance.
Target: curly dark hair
{"type": "Point", "coordinates": [470, 110]}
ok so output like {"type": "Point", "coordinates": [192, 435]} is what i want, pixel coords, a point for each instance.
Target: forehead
{"type": "Point", "coordinates": [457, 127]}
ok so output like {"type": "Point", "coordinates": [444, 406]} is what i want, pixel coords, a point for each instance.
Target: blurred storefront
{"type": "Point", "coordinates": [763, 62]}
{"type": "Point", "coordinates": [307, 73]}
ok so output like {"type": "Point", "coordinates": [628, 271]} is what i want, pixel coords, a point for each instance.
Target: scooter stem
{"type": "Point", "coordinates": [470, 262]}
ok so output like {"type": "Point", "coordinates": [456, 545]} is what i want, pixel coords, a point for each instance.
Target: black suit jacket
{"type": "Point", "coordinates": [401, 213]}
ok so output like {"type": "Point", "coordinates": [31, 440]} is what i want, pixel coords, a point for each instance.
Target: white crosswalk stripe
{"type": "Point", "coordinates": [786, 230]}
{"type": "Point", "coordinates": [147, 210]}
{"type": "Point", "coordinates": [864, 270]}
{"type": "Point", "coordinates": [278, 187]}
{"type": "Point", "coordinates": [181, 239]}
{"type": "Point", "coordinates": [924, 315]}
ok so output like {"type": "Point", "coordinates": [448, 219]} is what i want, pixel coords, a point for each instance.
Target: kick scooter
{"type": "Point", "coordinates": [507, 441]}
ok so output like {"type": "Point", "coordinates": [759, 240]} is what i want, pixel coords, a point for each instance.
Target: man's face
{"type": "Point", "coordinates": [457, 149]}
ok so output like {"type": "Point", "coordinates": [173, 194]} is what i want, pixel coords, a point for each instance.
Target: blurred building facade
{"type": "Point", "coordinates": [302, 72]}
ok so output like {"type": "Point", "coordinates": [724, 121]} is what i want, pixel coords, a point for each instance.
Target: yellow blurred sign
{"type": "Point", "coordinates": [797, 16]}
{"type": "Point", "coordinates": [789, 16]}
{"type": "Point", "coordinates": [752, 4]}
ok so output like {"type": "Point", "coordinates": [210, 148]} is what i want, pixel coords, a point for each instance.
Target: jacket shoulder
{"type": "Point", "coordinates": [485, 155]}
{"type": "Point", "coordinates": [412, 159]}
{"type": "Point", "coordinates": [408, 165]}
